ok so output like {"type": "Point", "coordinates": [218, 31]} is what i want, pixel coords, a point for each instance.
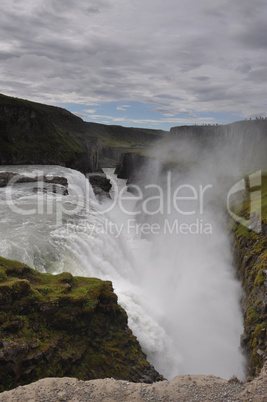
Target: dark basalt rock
{"type": "Point", "coordinates": [48, 184]}
{"type": "Point", "coordinates": [100, 183]}
{"type": "Point", "coordinates": [130, 166]}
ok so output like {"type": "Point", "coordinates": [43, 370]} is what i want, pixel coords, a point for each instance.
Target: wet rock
{"type": "Point", "coordinates": [101, 184]}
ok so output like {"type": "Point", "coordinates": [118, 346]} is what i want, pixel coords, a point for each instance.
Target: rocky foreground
{"type": "Point", "coordinates": [181, 388]}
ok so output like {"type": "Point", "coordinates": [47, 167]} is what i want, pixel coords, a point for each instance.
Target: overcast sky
{"type": "Point", "coordinates": [149, 63]}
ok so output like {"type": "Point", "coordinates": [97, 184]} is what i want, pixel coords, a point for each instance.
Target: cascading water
{"type": "Point", "coordinates": [179, 292]}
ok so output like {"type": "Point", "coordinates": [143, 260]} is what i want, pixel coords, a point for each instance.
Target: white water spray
{"type": "Point", "coordinates": [179, 291]}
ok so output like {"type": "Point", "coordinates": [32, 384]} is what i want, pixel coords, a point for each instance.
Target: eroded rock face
{"type": "Point", "coordinates": [251, 259]}
{"type": "Point", "coordinates": [60, 325]}
{"type": "Point", "coordinates": [32, 133]}
{"type": "Point", "coordinates": [250, 249]}
{"type": "Point", "coordinates": [100, 184]}
{"type": "Point", "coordinates": [109, 156]}
{"type": "Point", "coordinates": [133, 167]}
{"type": "Point", "coordinates": [129, 163]}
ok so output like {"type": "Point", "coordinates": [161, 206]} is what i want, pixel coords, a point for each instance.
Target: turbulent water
{"type": "Point", "coordinates": [178, 288]}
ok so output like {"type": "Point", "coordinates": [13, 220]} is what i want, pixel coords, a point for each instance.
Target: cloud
{"type": "Point", "coordinates": [90, 111]}
{"type": "Point", "coordinates": [123, 107]}
{"type": "Point", "coordinates": [186, 55]}
{"type": "Point", "coordinates": [145, 122]}
{"type": "Point", "coordinates": [253, 35]}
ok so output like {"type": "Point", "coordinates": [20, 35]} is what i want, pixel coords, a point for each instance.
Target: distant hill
{"type": "Point", "coordinates": [34, 133]}
{"type": "Point", "coordinates": [244, 128]}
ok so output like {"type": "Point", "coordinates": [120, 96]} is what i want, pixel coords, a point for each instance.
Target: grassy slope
{"type": "Point", "coordinates": [34, 132]}
{"type": "Point", "coordinates": [117, 136]}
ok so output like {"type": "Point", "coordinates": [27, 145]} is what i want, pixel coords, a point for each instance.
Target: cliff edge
{"type": "Point", "coordinates": [60, 325]}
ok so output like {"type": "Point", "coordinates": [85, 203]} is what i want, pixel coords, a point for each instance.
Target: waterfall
{"type": "Point", "coordinates": [180, 293]}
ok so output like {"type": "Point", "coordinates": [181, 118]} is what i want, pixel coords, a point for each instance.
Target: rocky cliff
{"type": "Point", "coordinates": [250, 250]}
{"type": "Point", "coordinates": [60, 325]}
{"type": "Point", "coordinates": [32, 133]}
{"type": "Point", "coordinates": [131, 165]}
{"type": "Point", "coordinates": [244, 129]}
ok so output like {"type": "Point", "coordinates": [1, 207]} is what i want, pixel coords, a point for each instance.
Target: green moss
{"type": "Point", "coordinates": [259, 279]}
{"type": "Point", "coordinates": [252, 316]}
{"type": "Point", "coordinates": [3, 276]}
